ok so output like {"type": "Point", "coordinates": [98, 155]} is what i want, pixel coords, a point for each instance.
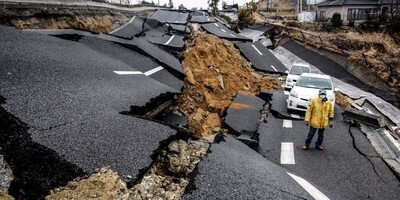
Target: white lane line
{"type": "Point", "coordinates": [223, 30]}
{"type": "Point", "coordinates": [232, 35]}
{"type": "Point", "coordinates": [256, 49]}
{"type": "Point", "coordinates": [127, 72]}
{"type": "Point", "coordinates": [314, 192]}
{"type": "Point", "coordinates": [285, 92]}
{"type": "Point", "coordinates": [287, 123]}
{"type": "Point", "coordinates": [274, 68]}
{"type": "Point", "coordinates": [216, 24]}
{"type": "Point", "coordinates": [170, 39]}
{"type": "Point", "coordinates": [150, 72]}
{"type": "Point", "coordinates": [295, 116]}
{"type": "Point", "coordinates": [287, 153]}
{"type": "Point", "coordinates": [130, 21]}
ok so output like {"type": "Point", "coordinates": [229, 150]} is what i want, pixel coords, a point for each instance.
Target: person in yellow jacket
{"type": "Point", "coordinates": [319, 115]}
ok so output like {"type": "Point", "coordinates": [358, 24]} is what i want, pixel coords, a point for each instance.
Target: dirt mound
{"type": "Point", "coordinates": [215, 73]}
{"type": "Point", "coordinates": [104, 184]}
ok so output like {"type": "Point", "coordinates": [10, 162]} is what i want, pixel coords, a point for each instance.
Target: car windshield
{"type": "Point", "coordinates": [314, 82]}
{"type": "Point", "coordinates": [297, 70]}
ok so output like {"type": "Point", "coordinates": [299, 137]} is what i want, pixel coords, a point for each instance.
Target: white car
{"type": "Point", "coordinates": [295, 71]}
{"type": "Point", "coordinates": [307, 87]}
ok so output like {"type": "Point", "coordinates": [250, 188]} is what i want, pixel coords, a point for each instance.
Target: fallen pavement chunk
{"type": "Point", "coordinates": [222, 31]}
{"type": "Point", "coordinates": [243, 116]}
{"type": "Point", "coordinates": [361, 116]}
{"type": "Point", "coordinates": [261, 57]}
{"type": "Point", "coordinates": [171, 17]}
{"type": "Point", "coordinates": [278, 107]}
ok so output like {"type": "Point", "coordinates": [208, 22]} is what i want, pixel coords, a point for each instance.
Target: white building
{"type": "Point", "coordinates": [119, 1]}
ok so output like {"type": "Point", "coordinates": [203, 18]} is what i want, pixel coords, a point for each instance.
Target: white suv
{"type": "Point", "coordinates": [295, 71]}
{"type": "Point", "coordinates": [307, 87]}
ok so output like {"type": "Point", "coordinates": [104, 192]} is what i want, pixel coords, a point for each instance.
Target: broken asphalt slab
{"type": "Point", "coordinates": [261, 58]}
{"type": "Point", "coordinates": [254, 176]}
{"type": "Point", "coordinates": [69, 98]}
{"type": "Point", "coordinates": [138, 44]}
{"type": "Point", "coordinates": [222, 31]}
{"type": "Point", "coordinates": [243, 116]}
{"type": "Point", "coordinates": [172, 17]}
{"type": "Point", "coordinates": [140, 62]}
{"type": "Point", "coordinates": [278, 107]}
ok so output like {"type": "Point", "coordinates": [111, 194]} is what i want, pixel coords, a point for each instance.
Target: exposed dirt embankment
{"type": "Point", "coordinates": [215, 73]}
{"type": "Point", "coordinates": [50, 17]}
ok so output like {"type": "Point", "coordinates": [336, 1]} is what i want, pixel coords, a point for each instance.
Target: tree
{"type": "Point", "coordinates": [213, 4]}
{"type": "Point", "coordinates": [336, 20]}
{"type": "Point", "coordinates": [170, 4]}
{"type": "Point", "coordinates": [244, 18]}
{"type": "Point", "coordinates": [181, 7]}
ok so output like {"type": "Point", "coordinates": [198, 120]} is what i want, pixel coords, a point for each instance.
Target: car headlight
{"type": "Point", "coordinates": [293, 94]}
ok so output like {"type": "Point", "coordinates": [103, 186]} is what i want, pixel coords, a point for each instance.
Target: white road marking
{"type": "Point", "coordinates": [314, 192]}
{"type": "Point", "coordinates": [150, 72]}
{"type": "Point", "coordinates": [232, 35]}
{"type": "Point", "coordinates": [285, 92]}
{"type": "Point", "coordinates": [216, 24]}
{"type": "Point", "coordinates": [287, 123]}
{"type": "Point", "coordinates": [287, 153]}
{"type": "Point", "coordinates": [130, 21]}
{"type": "Point", "coordinates": [256, 49]}
{"type": "Point", "coordinates": [274, 68]}
{"type": "Point", "coordinates": [223, 30]}
{"type": "Point", "coordinates": [170, 39]}
{"type": "Point", "coordinates": [127, 72]}
{"type": "Point", "coordinates": [295, 116]}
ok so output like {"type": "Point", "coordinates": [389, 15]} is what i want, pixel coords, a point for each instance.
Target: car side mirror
{"type": "Point", "coordinates": [337, 90]}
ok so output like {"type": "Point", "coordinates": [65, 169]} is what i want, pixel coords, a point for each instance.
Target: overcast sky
{"type": "Point", "coordinates": [189, 4]}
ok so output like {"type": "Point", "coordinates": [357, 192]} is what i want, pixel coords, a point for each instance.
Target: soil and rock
{"type": "Point", "coordinates": [51, 17]}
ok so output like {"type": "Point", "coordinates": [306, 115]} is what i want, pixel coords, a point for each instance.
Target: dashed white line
{"type": "Point", "coordinates": [259, 52]}
{"type": "Point", "coordinates": [274, 68]}
{"type": "Point", "coordinates": [216, 24]}
{"type": "Point", "coordinates": [170, 39]}
{"type": "Point", "coordinates": [287, 123]}
{"type": "Point", "coordinates": [232, 35]}
{"type": "Point", "coordinates": [223, 30]}
{"type": "Point", "coordinates": [314, 192]}
{"type": "Point", "coordinates": [295, 116]}
{"type": "Point", "coordinates": [127, 72]}
{"type": "Point", "coordinates": [150, 72]}
{"type": "Point", "coordinates": [287, 153]}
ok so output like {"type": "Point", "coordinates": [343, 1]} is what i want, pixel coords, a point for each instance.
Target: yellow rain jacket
{"type": "Point", "coordinates": [318, 113]}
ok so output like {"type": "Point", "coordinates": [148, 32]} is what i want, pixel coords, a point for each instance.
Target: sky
{"type": "Point", "coordinates": [189, 4]}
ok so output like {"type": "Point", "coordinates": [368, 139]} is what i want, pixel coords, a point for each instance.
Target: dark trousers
{"type": "Point", "coordinates": [311, 134]}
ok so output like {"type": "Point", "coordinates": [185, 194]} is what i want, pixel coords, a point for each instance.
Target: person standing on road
{"type": "Point", "coordinates": [319, 115]}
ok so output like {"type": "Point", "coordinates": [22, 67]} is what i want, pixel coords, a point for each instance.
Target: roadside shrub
{"type": "Point", "coordinates": [293, 24]}
{"type": "Point", "coordinates": [228, 19]}
{"type": "Point", "coordinates": [244, 19]}
{"type": "Point", "coordinates": [336, 20]}
{"type": "Point", "coordinates": [370, 25]}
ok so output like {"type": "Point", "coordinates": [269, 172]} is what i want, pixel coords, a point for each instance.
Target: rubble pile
{"type": "Point", "coordinates": [102, 184]}
{"type": "Point", "coordinates": [215, 73]}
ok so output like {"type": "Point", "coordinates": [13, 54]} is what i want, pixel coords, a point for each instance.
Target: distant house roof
{"type": "Point", "coordinates": [347, 2]}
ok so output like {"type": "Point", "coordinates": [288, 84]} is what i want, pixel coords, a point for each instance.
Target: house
{"type": "Point", "coordinates": [350, 10]}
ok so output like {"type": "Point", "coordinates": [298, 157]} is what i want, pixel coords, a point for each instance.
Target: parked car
{"type": "Point", "coordinates": [294, 72]}
{"type": "Point", "coordinates": [307, 87]}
